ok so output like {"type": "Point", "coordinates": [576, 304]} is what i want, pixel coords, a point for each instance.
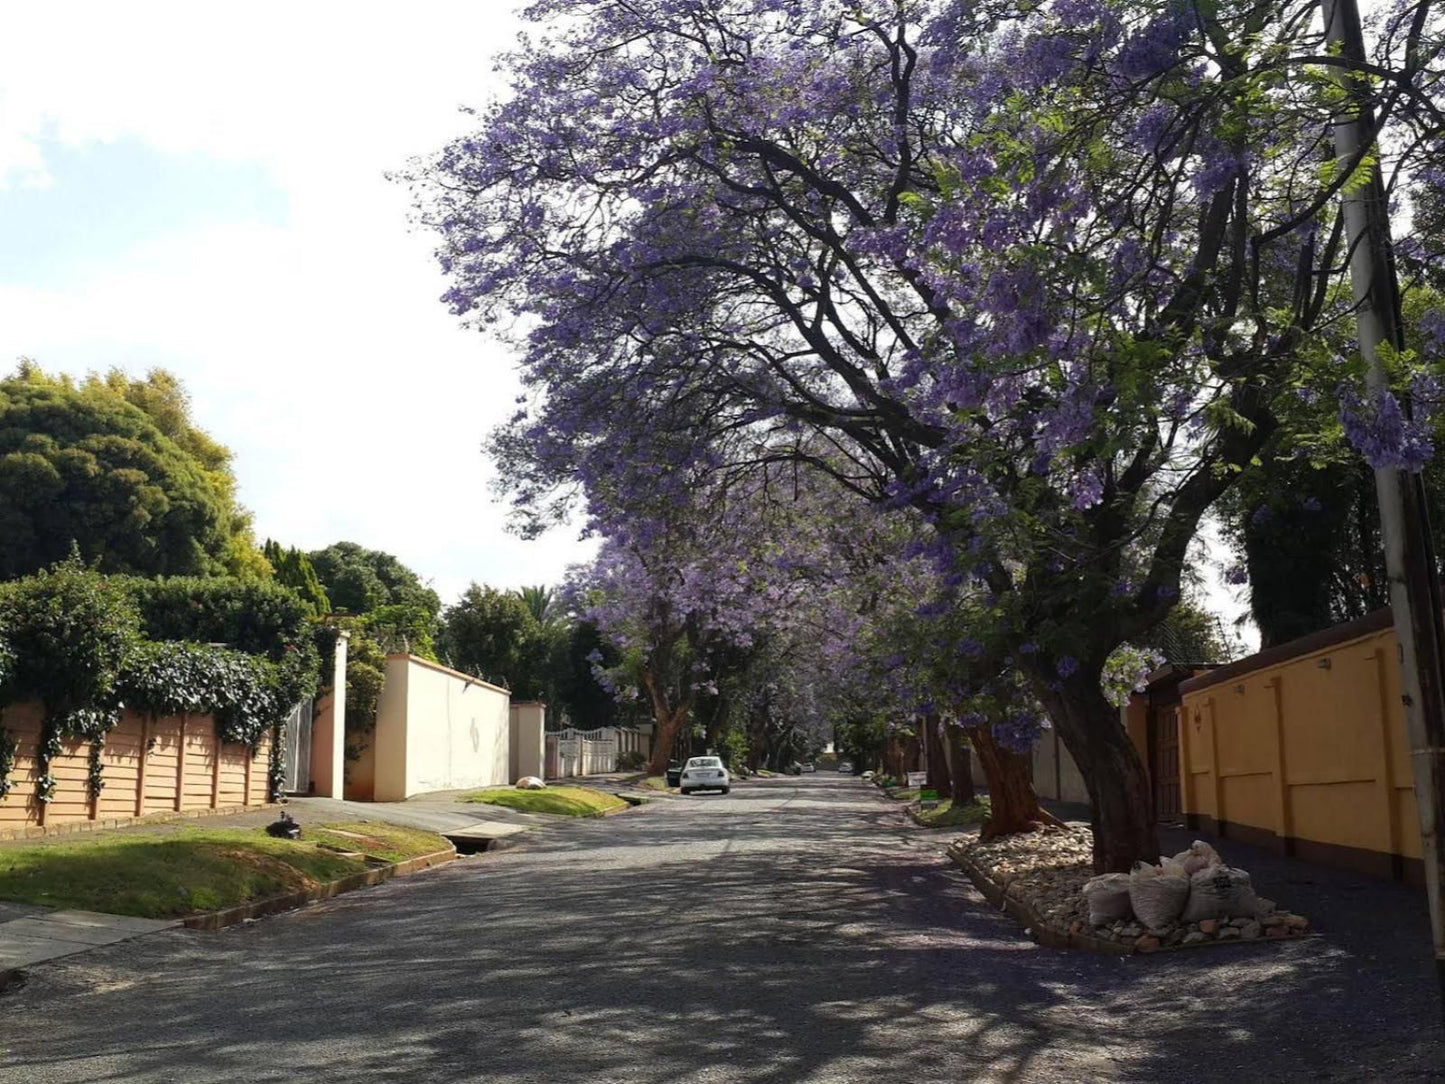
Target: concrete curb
{"type": "Point", "coordinates": [290, 901]}
{"type": "Point", "coordinates": [997, 896]}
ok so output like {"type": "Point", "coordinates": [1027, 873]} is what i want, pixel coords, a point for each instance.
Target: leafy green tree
{"type": "Point", "coordinates": [1189, 636]}
{"type": "Point", "coordinates": [402, 627]}
{"type": "Point", "coordinates": [359, 580]}
{"type": "Point", "coordinates": [573, 689]}
{"type": "Point", "coordinates": [85, 467]}
{"type": "Point", "coordinates": [164, 399]}
{"type": "Point", "coordinates": [494, 635]}
{"type": "Point", "coordinates": [294, 569]}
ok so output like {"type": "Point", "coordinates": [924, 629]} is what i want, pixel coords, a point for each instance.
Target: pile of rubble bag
{"type": "Point", "coordinates": [1185, 900]}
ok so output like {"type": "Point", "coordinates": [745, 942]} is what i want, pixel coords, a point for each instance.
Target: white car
{"type": "Point", "coordinates": [704, 773]}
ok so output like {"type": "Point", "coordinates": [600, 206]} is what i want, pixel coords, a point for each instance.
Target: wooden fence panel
{"type": "Point", "coordinates": [70, 801]}
{"type": "Point", "coordinates": [121, 766]}
{"type": "Point", "coordinates": [163, 762]}
{"type": "Point", "coordinates": [233, 762]}
{"type": "Point", "coordinates": [258, 767]}
{"type": "Point", "coordinates": [148, 765]}
{"type": "Point", "coordinates": [19, 807]}
{"type": "Point", "coordinates": [200, 765]}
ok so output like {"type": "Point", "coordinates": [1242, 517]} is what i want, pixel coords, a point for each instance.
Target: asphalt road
{"type": "Point", "coordinates": [796, 930]}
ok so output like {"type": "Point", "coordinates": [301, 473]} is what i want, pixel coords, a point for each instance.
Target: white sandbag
{"type": "Point", "coordinates": [1221, 892]}
{"type": "Point", "coordinates": [1106, 898]}
{"type": "Point", "coordinates": [1200, 855]}
{"type": "Point", "coordinates": [1158, 893]}
{"type": "Point", "coordinates": [530, 782]}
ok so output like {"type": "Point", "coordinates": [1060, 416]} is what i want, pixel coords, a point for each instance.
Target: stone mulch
{"type": "Point", "coordinates": [1040, 876]}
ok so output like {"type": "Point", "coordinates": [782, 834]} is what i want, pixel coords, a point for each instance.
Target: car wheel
{"type": "Point", "coordinates": [685, 791]}
{"type": "Point", "coordinates": [726, 789]}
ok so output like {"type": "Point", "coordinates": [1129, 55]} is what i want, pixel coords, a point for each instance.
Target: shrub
{"type": "Point", "coordinates": [69, 630]}
{"type": "Point", "coordinates": [76, 641]}
{"type": "Point", "coordinates": [256, 617]}
{"type": "Point", "coordinates": [248, 695]}
{"type": "Point", "coordinates": [632, 760]}
{"type": "Point", "coordinates": [365, 676]}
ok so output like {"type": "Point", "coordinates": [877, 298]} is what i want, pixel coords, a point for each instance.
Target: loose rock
{"type": "Point", "coordinates": [1047, 870]}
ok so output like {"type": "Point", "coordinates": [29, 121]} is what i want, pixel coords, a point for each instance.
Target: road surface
{"type": "Point", "coordinates": [796, 930]}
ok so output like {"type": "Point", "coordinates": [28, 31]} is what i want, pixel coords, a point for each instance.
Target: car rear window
{"type": "Point", "coordinates": [704, 762]}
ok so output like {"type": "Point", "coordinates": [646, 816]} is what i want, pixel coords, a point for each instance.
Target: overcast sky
{"type": "Point", "coordinates": [201, 188]}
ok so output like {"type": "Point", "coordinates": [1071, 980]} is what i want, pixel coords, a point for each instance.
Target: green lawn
{"type": "Point", "coordinates": [945, 816]}
{"type": "Point", "coordinates": [186, 870]}
{"type": "Point", "coordinates": [902, 794]}
{"type": "Point", "coordinates": [655, 782]}
{"type": "Point", "coordinates": [564, 800]}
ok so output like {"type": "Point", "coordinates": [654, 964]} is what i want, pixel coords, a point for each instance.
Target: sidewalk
{"type": "Point", "coordinates": [30, 934]}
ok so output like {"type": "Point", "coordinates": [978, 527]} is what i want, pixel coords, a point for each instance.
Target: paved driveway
{"type": "Point", "coordinates": [794, 931]}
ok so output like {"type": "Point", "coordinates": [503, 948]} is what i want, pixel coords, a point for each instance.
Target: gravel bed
{"type": "Point", "coordinates": [1046, 872]}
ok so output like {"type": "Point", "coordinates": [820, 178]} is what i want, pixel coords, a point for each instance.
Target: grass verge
{"type": "Point", "coordinates": [187, 870]}
{"type": "Point", "coordinates": [902, 794]}
{"type": "Point", "coordinates": [655, 782]}
{"type": "Point", "coordinates": [562, 801]}
{"type": "Point", "coordinates": [946, 816]}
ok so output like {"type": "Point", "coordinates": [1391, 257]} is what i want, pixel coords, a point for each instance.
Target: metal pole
{"type": "Point", "coordinates": [1404, 527]}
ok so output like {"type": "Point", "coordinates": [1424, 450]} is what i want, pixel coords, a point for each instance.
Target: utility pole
{"type": "Point", "coordinates": [1404, 527]}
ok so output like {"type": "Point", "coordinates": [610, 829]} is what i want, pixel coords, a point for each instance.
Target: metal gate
{"type": "Point", "coordinates": [296, 749]}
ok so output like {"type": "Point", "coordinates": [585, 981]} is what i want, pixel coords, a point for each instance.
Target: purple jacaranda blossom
{"type": "Point", "coordinates": [1380, 432]}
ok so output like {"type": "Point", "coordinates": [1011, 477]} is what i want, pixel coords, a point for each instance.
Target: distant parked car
{"type": "Point", "coordinates": [704, 773]}
{"type": "Point", "coordinates": [868, 776]}
{"type": "Point", "coordinates": [794, 768]}
{"type": "Point", "coordinates": [844, 766]}
{"type": "Point", "coordinates": [809, 766]}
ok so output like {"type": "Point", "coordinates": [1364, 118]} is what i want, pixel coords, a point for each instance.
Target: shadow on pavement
{"type": "Point", "coordinates": [798, 930]}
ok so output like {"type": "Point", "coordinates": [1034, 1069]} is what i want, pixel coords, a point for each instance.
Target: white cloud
{"type": "Point", "coordinates": [318, 350]}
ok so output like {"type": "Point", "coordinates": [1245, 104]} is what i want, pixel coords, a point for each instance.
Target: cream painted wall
{"type": "Point", "coordinates": [328, 730]}
{"type": "Point", "coordinates": [528, 723]}
{"type": "Point", "coordinates": [437, 729]}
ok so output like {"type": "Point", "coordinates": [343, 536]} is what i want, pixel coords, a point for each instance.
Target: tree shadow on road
{"type": "Point", "coordinates": [816, 939]}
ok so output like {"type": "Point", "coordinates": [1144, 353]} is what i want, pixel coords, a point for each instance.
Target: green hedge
{"type": "Point", "coordinates": [87, 645]}
{"type": "Point", "coordinates": [256, 617]}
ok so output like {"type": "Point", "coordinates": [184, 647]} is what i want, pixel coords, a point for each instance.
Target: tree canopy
{"type": "Point", "coordinates": [116, 468]}
{"type": "Point", "coordinates": [359, 580]}
{"type": "Point", "coordinates": [1048, 275]}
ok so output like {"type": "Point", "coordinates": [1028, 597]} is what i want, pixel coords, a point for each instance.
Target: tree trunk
{"type": "Point", "coordinates": [960, 770]}
{"type": "Point", "coordinates": [1120, 798]}
{"type": "Point", "coordinates": [663, 741]}
{"type": "Point", "coordinates": [1013, 805]}
{"type": "Point", "coordinates": [937, 766]}
{"type": "Point", "coordinates": [668, 721]}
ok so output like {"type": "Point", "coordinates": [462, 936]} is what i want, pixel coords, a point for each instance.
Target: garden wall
{"type": "Point", "coordinates": [436, 729]}
{"type": "Point", "coordinates": [1303, 748]}
{"type": "Point", "coordinates": [148, 765]}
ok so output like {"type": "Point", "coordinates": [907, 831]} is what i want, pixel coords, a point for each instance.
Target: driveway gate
{"type": "Point", "coordinates": [296, 749]}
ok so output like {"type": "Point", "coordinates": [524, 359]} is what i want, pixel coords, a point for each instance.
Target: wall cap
{"type": "Point", "coordinates": [1376, 621]}
{"type": "Point", "coordinates": [402, 656]}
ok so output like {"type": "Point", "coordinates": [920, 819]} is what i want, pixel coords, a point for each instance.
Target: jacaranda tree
{"type": "Point", "coordinates": [1041, 272]}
